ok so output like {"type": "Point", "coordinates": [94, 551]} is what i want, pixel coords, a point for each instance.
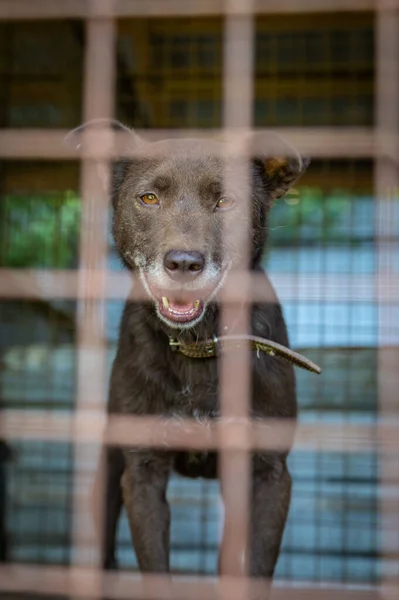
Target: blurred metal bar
{"type": "Point", "coordinates": [59, 9]}
{"type": "Point", "coordinates": [387, 214]}
{"type": "Point", "coordinates": [82, 583]}
{"type": "Point", "coordinates": [320, 142]}
{"type": "Point", "coordinates": [340, 288]}
{"type": "Point", "coordinates": [88, 427]}
{"type": "Point", "coordinates": [234, 367]}
{"type": "Point", "coordinates": [92, 384]}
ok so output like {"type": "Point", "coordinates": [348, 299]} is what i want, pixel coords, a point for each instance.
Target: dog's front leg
{"type": "Point", "coordinates": [270, 500]}
{"type": "Point", "coordinates": [144, 484]}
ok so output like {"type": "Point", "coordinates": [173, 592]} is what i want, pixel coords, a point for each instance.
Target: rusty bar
{"type": "Point", "coordinates": [89, 427]}
{"type": "Point", "coordinates": [59, 9]}
{"type": "Point", "coordinates": [321, 142]}
{"type": "Point", "coordinates": [82, 583]}
{"type": "Point", "coordinates": [98, 102]}
{"type": "Point", "coordinates": [53, 284]}
{"type": "Point", "coordinates": [234, 367]}
{"type": "Point", "coordinates": [387, 209]}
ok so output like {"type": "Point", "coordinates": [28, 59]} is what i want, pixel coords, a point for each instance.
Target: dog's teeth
{"type": "Point", "coordinates": [165, 302]}
{"type": "Point", "coordinates": [196, 304]}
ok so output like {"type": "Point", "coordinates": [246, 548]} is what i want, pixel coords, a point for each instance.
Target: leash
{"type": "Point", "coordinates": [211, 348]}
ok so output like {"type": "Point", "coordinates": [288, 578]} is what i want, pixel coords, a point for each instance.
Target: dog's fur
{"type": "Point", "coordinates": [148, 378]}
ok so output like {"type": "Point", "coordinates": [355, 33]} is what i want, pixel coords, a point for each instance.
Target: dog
{"type": "Point", "coordinates": [172, 204]}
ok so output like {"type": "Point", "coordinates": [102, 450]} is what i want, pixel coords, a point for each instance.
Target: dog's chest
{"type": "Point", "coordinates": [197, 397]}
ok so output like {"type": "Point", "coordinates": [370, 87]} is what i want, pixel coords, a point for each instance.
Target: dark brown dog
{"type": "Point", "coordinates": [172, 206]}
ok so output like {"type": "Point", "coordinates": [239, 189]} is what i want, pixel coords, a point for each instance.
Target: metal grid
{"type": "Point", "coordinates": [91, 285]}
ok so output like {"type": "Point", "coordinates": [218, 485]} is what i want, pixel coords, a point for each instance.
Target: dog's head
{"type": "Point", "coordinates": [176, 201]}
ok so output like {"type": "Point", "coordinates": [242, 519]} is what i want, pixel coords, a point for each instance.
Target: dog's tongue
{"type": "Point", "coordinates": [180, 310]}
{"type": "Point", "coordinates": [181, 306]}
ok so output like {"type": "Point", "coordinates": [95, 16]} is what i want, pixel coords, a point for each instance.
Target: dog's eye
{"type": "Point", "coordinates": [225, 204]}
{"type": "Point", "coordinates": [149, 199]}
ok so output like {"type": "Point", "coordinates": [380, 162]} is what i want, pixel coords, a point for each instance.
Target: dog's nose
{"type": "Point", "coordinates": [182, 265]}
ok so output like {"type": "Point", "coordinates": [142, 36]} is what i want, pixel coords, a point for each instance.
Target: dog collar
{"type": "Point", "coordinates": [212, 348]}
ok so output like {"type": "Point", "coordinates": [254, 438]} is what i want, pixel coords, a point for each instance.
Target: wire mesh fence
{"type": "Point", "coordinates": [326, 76]}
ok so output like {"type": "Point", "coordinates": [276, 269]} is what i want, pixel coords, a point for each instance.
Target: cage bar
{"type": "Point", "coordinates": [92, 386]}
{"type": "Point", "coordinates": [82, 583]}
{"type": "Point", "coordinates": [40, 9]}
{"type": "Point", "coordinates": [318, 142]}
{"type": "Point", "coordinates": [234, 392]}
{"type": "Point", "coordinates": [231, 434]}
{"type": "Point", "coordinates": [37, 284]}
{"type": "Point", "coordinates": [387, 197]}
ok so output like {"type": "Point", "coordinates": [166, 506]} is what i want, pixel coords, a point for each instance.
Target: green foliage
{"type": "Point", "coordinates": [40, 230]}
{"type": "Point", "coordinates": [308, 216]}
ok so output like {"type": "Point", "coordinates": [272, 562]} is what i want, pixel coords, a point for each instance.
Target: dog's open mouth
{"type": "Point", "coordinates": [182, 308]}
{"type": "Point", "coordinates": [180, 311]}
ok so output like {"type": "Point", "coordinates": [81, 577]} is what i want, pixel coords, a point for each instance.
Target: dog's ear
{"type": "Point", "coordinates": [75, 138]}
{"type": "Point", "coordinates": [278, 162]}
